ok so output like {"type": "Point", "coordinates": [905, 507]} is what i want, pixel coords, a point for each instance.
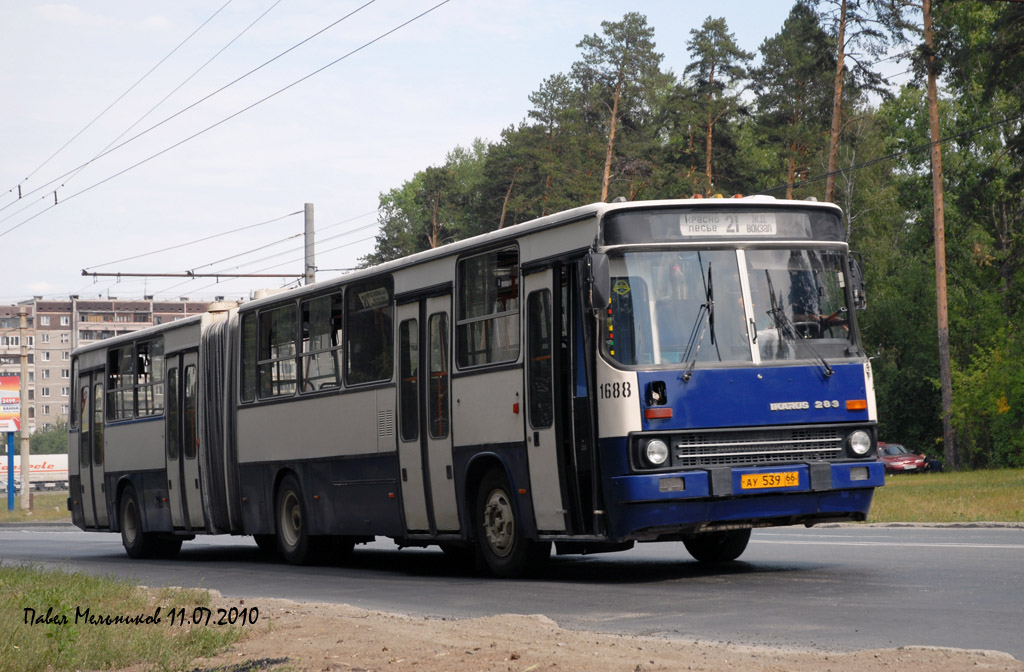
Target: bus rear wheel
{"type": "Point", "coordinates": [137, 543]}
{"type": "Point", "coordinates": [716, 547]}
{"type": "Point", "coordinates": [293, 541]}
{"type": "Point", "coordinates": [506, 552]}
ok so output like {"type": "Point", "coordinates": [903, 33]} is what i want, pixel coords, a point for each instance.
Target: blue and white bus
{"type": "Point", "coordinates": [678, 370]}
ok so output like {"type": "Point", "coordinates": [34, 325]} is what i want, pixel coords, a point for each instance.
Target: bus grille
{"type": "Point", "coordinates": [701, 449]}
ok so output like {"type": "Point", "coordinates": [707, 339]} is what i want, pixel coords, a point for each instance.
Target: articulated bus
{"type": "Point", "coordinates": [679, 370]}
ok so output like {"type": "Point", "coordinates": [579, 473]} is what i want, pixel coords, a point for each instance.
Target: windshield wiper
{"type": "Point", "coordinates": [784, 325]}
{"type": "Point", "coordinates": [705, 318]}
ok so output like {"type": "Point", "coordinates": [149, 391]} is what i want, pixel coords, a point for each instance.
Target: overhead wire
{"type": "Point", "coordinates": [178, 87]}
{"type": "Point", "coordinates": [230, 117]}
{"type": "Point", "coordinates": [283, 263]}
{"type": "Point", "coordinates": [193, 242]}
{"type": "Point", "coordinates": [228, 269]}
{"type": "Point", "coordinates": [200, 101]}
{"type": "Point", "coordinates": [119, 98]}
{"type": "Point", "coordinates": [287, 238]}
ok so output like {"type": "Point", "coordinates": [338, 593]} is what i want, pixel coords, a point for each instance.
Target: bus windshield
{"type": "Point", "coordinates": [683, 307]}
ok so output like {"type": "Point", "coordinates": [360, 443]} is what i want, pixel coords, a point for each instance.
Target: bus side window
{"type": "Point", "coordinates": [408, 379]}
{"type": "Point", "coordinates": [321, 334]}
{"type": "Point", "coordinates": [368, 316]}
{"type": "Point", "coordinates": [173, 435]}
{"type": "Point", "coordinates": [538, 350]}
{"type": "Point", "coordinates": [276, 368]}
{"type": "Point", "coordinates": [86, 425]}
{"type": "Point", "coordinates": [437, 395]}
{"type": "Point", "coordinates": [190, 437]}
{"type": "Point", "coordinates": [97, 450]}
{"type": "Point", "coordinates": [149, 388]}
{"type": "Point", "coordinates": [487, 308]}
{"type": "Point", "coordinates": [248, 365]}
{"type": "Point", "coordinates": [121, 383]}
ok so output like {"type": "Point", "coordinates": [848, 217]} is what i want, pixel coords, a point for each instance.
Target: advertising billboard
{"type": "Point", "coordinates": [10, 403]}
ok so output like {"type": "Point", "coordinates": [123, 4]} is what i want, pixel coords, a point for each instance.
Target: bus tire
{"type": "Point", "coordinates": [137, 542]}
{"type": "Point", "coordinates": [167, 547]}
{"type": "Point", "coordinates": [716, 547]}
{"type": "Point", "coordinates": [505, 551]}
{"type": "Point", "coordinates": [293, 540]}
{"type": "Point", "coordinates": [267, 543]}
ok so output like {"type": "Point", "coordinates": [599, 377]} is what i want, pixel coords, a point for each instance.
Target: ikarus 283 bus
{"type": "Point", "coordinates": [675, 371]}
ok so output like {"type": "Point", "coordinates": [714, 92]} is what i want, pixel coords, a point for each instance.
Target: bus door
{"type": "Point", "coordinates": [94, 503]}
{"type": "Point", "coordinates": [543, 359]}
{"type": "Point", "coordinates": [574, 402]}
{"type": "Point", "coordinates": [425, 442]}
{"type": "Point", "coordinates": [181, 439]}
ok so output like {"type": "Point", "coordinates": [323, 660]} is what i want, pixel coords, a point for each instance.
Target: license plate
{"type": "Point", "coordinates": [779, 479]}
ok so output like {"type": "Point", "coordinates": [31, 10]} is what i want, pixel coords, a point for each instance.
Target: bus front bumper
{"type": "Point", "coordinates": [685, 501]}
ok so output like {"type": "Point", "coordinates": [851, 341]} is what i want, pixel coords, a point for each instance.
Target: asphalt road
{"type": "Point", "coordinates": [833, 588]}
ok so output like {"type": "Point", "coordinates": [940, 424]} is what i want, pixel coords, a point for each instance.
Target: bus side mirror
{"type": "Point", "coordinates": [860, 298]}
{"type": "Point", "coordinates": [598, 281]}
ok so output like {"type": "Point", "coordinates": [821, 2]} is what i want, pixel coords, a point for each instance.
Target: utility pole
{"type": "Point", "coordinates": [939, 230]}
{"type": "Point", "coordinates": [310, 274]}
{"type": "Point", "coordinates": [23, 341]}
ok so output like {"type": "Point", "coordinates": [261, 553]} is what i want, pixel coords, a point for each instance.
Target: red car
{"type": "Point", "coordinates": [898, 459]}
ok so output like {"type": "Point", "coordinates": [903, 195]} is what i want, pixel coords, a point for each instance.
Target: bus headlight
{"type": "Point", "coordinates": [860, 442]}
{"type": "Point", "coordinates": [656, 452]}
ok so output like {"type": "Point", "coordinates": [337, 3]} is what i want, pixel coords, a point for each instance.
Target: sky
{"type": "Point", "coordinates": [134, 127]}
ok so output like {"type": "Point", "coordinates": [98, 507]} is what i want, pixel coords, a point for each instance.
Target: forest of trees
{"type": "Point", "coordinates": [808, 115]}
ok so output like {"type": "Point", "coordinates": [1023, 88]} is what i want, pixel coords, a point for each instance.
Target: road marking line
{"type": "Point", "coordinates": [884, 543]}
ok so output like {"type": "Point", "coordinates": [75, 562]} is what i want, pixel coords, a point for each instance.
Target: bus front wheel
{"type": "Point", "coordinates": [503, 547]}
{"type": "Point", "coordinates": [293, 540]}
{"type": "Point", "coordinates": [716, 547]}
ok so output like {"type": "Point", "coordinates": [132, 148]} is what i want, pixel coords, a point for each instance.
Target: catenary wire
{"type": "Point", "coordinates": [193, 242]}
{"type": "Point", "coordinates": [194, 104]}
{"type": "Point", "coordinates": [228, 118]}
{"type": "Point", "coordinates": [292, 237]}
{"type": "Point", "coordinates": [119, 98]}
{"type": "Point", "coordinates": [178, 87]}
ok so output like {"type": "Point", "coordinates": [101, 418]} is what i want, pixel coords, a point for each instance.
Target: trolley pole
{"type": "Point", "coordinates": [310, 274]}
{"type": "Point", "coordinates": [23, 340]}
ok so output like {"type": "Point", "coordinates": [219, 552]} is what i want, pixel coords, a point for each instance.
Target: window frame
{"type": "Point", "coordinates": [335, 333]}
{"type": "Point", "coordinates": [119, 383]}
{"type": "Point", "coordinates": [466, 323]}
{"type": "Point", "coordinates": [356, 335]}
{"type": "Point", "coordinates": [268, 359]}
{"type": "Point", "coordinates": [154, 377]}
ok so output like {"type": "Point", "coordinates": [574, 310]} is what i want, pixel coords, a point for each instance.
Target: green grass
{"type": "Point", "coordinates": [45, 506]}
{"type": "Point", "coordinates": [995, 495]}
{"type": "Point", "coordinates": [61, 646]}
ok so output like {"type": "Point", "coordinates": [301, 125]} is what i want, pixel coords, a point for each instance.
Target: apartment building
{"type": "Point", "coordinates": [55, 328]}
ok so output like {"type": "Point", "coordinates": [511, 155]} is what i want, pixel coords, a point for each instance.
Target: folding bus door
{"type": "Point", "coordinates": [410, 458]}
{"type": "Point", "coordinates": [190, 442]}
{"type": "Point", "coordinates": [182, 447]}
{"type": "Point", "coordinates": [437, 411]}
{"type": "Point", "coordinates": [94, 503]}
{"type": "Point", "coordinates": [424, 409]}
{"type": "Point", "coordinates": [541, 380]}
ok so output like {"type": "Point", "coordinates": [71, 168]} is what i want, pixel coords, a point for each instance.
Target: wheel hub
{"type": "Point", "coordinates": [499, 523]}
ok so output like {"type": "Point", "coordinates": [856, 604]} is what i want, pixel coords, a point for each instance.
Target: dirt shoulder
{"type": "Point", "coordinates": [305, 636]}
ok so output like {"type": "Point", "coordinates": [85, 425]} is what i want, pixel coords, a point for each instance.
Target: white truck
{"type": "Point", "coordinates": [46, 472]}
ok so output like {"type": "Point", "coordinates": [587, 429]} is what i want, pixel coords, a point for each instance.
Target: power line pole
{"type": "Point", "coordinates": [939, 229]}
{"type": "Point", "coordinates": [310, 275]}
{"type": "Point", "coordinates": [23, 341]}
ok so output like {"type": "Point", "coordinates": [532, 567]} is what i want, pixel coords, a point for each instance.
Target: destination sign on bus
{"type": "Point", "coordinates": [722, 223]}
{"type": "Point", "coordinates": [727, 224]}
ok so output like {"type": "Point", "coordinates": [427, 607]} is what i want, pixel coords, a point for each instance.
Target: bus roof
{"type": "Point", "coordinates": [548, 221]}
